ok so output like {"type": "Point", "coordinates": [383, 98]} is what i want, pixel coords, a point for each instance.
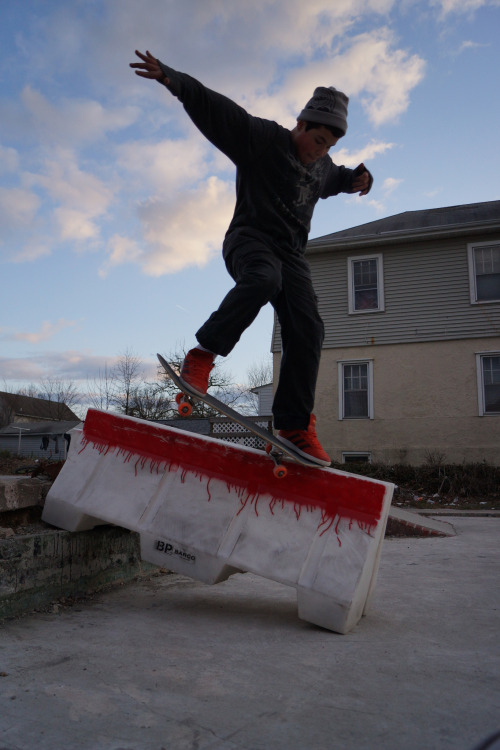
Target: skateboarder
{"type": "Point", "coordinates": [280, 176]}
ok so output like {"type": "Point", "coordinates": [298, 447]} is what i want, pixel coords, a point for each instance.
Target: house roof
{"type": "Point", "coordinates": [259, 388]}
{"type": "Point", "coordinates": [40, 428]}
{"type": "Point", "coordinates": [36, 408]}
{"type": "Point", "coordinates": [199, 425]}
{"type": "Point", "coordinates": [416, 225]}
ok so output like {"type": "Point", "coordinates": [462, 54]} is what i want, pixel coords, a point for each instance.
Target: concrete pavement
{"type": "Point", "coordinates": [171, 663]}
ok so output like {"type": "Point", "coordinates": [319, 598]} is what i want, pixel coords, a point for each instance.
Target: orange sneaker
{"type": "Point", "coordinates": [306, 443]}
{"type": "Point", "coordinates": [195, 370]}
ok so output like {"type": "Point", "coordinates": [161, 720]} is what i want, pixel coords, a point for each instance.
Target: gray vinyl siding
{"type": "Point", "coordinates": [31, 446]}
{"type": "Point", "coordinates": [427, 296]}
{"type": "Point", "coordinates": [266, 400]}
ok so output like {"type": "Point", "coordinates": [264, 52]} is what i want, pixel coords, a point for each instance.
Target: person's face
{"type": "Point", "coordinates": [312, 144]}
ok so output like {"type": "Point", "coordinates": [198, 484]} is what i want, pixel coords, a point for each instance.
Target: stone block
{"type": "Point", "coordinates": [38, 568]}
{"type": "Point", "coordinates": [21, 492]}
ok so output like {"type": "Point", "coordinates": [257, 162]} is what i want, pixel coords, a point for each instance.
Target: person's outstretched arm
{"type": "Point", "coordinates": [227, 125]}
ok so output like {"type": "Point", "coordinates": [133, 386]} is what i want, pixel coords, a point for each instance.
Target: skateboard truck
{"type": "Point", "coordinates": [184, 404]}
{"type": "Point", "coordinates": [280, 471]}
{"type": "Point", "coordinates": [185, 409]}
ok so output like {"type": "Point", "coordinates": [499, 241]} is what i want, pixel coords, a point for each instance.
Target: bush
{"type": "Point", "coordinates": [447, 480]}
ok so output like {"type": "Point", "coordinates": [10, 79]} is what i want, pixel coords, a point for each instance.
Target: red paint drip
{"type": "Point", "coordinates": [249, 473]}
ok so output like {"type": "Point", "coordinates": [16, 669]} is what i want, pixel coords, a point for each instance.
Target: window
{"type": "Point", "coordinates": [488, 381]}
{"type": "Point", "coordinates": [349, 457]}
{"type": "Point", "coordinates": [484, 272]}
{"type": "Point", "coordinates": [355, 390]}
{"type": "Point", "coordinates": [366, 284]}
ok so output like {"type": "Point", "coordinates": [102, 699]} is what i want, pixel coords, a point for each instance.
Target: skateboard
{"type": "Point", "coordinates": [275, 448]}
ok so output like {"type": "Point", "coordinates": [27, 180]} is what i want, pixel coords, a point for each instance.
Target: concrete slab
{"type": "Point", "coordinates": [173, 663]}
{"type": "Point", "coordinates": [21, 492]}
{"type": "Point", "coordinates": [403, 522]}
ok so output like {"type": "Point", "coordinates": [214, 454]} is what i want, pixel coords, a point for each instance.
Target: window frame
{"type": "Point", "coordinates": [471, 246]}
{"type": "Point", "coordinates": [340, 369]}
{"type": "Point", "coordinates": [480, 356]}
{"type": "Point", "coordinates": [379, 258]}
{"type": "Point", "coordinates": [347, 454]}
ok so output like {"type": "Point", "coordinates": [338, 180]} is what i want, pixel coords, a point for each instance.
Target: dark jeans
{"type": "Point", "coordinates": [261, 277]}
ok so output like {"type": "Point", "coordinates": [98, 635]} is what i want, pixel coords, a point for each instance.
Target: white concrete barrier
{"type": "Point", "coordinates": [208, 508]}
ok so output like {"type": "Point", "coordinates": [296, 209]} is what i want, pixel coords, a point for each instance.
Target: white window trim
{"type": "Point", "coordinates": [380, 282]}
{"type": "Point", "coordinates": [340, 366]}
{"type": "Point", "coordinates": [471, 246]}
{"type": "Point", "coordinates": [480, 383]}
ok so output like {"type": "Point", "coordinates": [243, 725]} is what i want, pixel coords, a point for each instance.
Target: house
{"type": "Point", "coordinates": [264, 395]}
{"type": "Point", "coordinates": [35, 427]}
{"type": "Point", "coordinates": [38, 439]}
{"type": "Point", "coordinates": [15, 407]}
{"type": "Point", "coordinates": [410, 369]}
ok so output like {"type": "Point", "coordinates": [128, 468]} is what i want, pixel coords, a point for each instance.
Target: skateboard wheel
{"type": "Point", "coordinates": [280, 472]}
{"type": "Point", "coordinates": [185, 409]}
{"type": "Point", "coordinates": [179, 397]}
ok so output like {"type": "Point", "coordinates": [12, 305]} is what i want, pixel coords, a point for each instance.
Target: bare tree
{"type": "Point", "coordinates": [61, 392]}
{"type": "Point", "coordinates": [259, 374]}
{"type": "Point", "coordinates": [101, 390]}
{"type": "Point", "coordinates": [127, 373]}
{"type": "Point", "coordinates": [32, 390]}
{"type": "Point", "coordinates": [148, 401]}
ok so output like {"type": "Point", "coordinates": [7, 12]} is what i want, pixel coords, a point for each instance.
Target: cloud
{"type": "Point", "coordinates": [461, 6]}
{"type": "Point", "coordinates": [72, 121]}
{"type": "Point", "coordinates": [363, 202]}
{"type": "Point", "coordinates": [32, 249]}
{"type": "Point", "coordinates": [166, 165]}
{"type": "Point", "coordinates": [200, 37]}
{"type": "Point", "coordinates": [19, 369]}
{"type": "Point", "coordinates": [367, 67]}
{"type": "Point", "coordinates": [79, 198]}
{"type": "Point", "coordinates": [434, 192]}
{"type": "Point", "coordinates": [47, 331]}
{"type": "Point", "coordinates": [377, 205]}
{"type": "Point", "coordinates": [186, 231]}
{"type": "Point", "coordinates": [95, 174]}
{"type": "Point", "coordinates": [20, 222]}
{"type": "Point", "coordinates": [69, 365]}
{"type": "Point", "coordinates": [287, 27]}
{"type": "Point", "coordinates": [380, 75]}
{"type": "Point", "coordinates": [363, 155]}
{"type": "Point", "coordinates": [9, 159]}
{"type": "Point", "coordinates": [121, 250]}
{"type": "Point", "coordinates": [67, 205]}
{"type": "Point", "coordinates": [318, 37]}
{"type": "Point", "coordinates": [470, 45]}
{"type": "Point", "coordinates": [18, 208]}
{"type": "Point", "coordinates": [390, 184]}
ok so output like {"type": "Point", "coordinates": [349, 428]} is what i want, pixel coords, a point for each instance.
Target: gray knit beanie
{"type": "Point", "coordinates": [327, 107]}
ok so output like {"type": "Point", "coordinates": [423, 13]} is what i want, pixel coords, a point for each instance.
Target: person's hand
{"type": "Point", "coordinates": [361, 183]}
{"type": "Point", "coordinates": [149, 68]}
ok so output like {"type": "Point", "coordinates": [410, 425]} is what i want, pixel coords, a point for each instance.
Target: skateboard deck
{"type": "Point", "coordinates": [278, 449]}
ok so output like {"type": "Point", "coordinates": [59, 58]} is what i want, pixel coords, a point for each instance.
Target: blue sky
{"type": "Point", "coordinates": [113, 207]}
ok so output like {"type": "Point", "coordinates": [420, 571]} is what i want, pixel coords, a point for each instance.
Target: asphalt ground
{"type": "Point", "coordinates": [172, 663]}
